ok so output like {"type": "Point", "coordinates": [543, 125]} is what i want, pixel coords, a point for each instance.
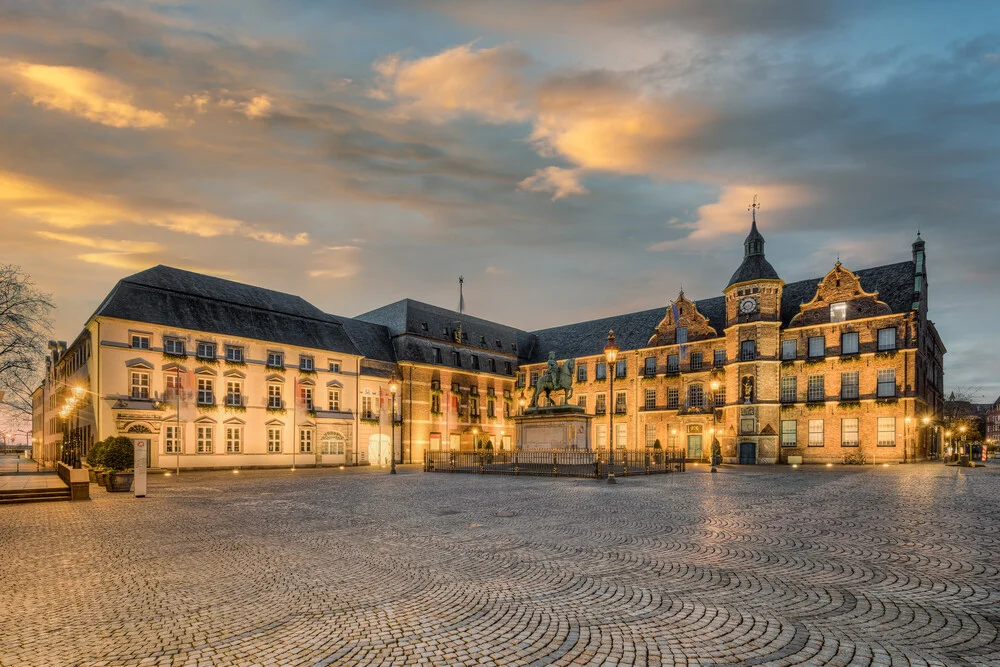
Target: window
{"type": "Point", "coordinates": [887, 383]}
{"type": "Point", "coordinates": [581, 373]}
{"type": "Point", "coordinates": [534, 378]}
{"type": "Point", "coordinates": [333, 400]}
{"type": "Point", "coordinates": [475, 361]}
{"type": "Point", "coordinates": [650, 399]}
{"type": "Point", "coordinates": [602, 436]}
{"type": "Point", "coordinates": [274, 397]}
{"type": "Point", "coordinates": [817, 347]}
{"type": "Point", "coordinates": [206, 351]}
{"type": "Point", "coordinates": [520, 380]}
{"type": "Point", "coordinates": [581, 400]}
{"type": "Point", "coordinates": [621, 368]}
{"type": "Point", "coordinates": [887, 339]}
{"type": "Point", "coordinates": [849, 432]}
{"type": "Point", "coordinates": [789, 433]}
{"type": "Point", "coordinates": [838, 312]}
{"type": "Point", "coordinates": [366, 408]}
{"type": "Point", "coordinates": [455, 388]}
{"type": "Point", "coordinates": [307, 398]}
{"type": "Point", "coordinates": [720, 358]}
{"type": "Point", "coordinates": [334, 366]}
{"type": "Point", "coordinates": [234, 439]}
{"type": "Point", "coordinates": [849, 343]}
{"type": "Point", "coordinates": [332, 444]}
{"type": "Point", "coordinates": [720, 396]}
{"type": "Point", "coordinates": [649, 367]}
{"type": "Point", "coordinates": [886, 431]}
{"type": "Point", "coordinates": [789, 389]}
{"type": "Point", "coordinates": [789, 350]}
{"type": "Point", "coordinates": [173, 346]}
{"type": "Point", "coordinates": [696, 396]}
{"type": "Point", "coordinates": [206, 391]}
{"type": "Point", "coordinates": [748, 350]}
{"type": "Point", "coordinates": [849, 386]}
{"type": "Point", "coordinates": [650, 435]}
{"type": "Point", "coordinates": [234, 393]}
{"type": "Point", "coordinates": [620, 402]}
{"type": "Point", "coordinates": [172, 439]}
{"type": "Point", "coordinates": [600, 370]}
{"type": "Point", "coordinates": [817, 388]}
{"type": "Point", "coordinates": [437, 356]}
{"type": "Point", "coordinates": [204, 439]}
{"type": "Point", "coordinates": [682, 334]}
{"type": "Point", "coordinates": [234, 354]}
{"type": "Point", "coordinates": [493, 365]}
{"type": "Point", "coordinates": [815, 432]}
{"type": "Point", "coordinates": [621, 436]}
{"type": "Point", "coordinates": [173, 391]}
{"type": "Point", "coordinates": [491, 408]}
{"type": "Point", "coordinates": [140, 341]}
{"type": "Point", "coordinates": [696, 361]}
{"type": "Point", "coordinates": [305, 363]}
{"type": "Point", "coordinates": [305, 441]}
{"type": "Point", "coordinates": [456, 358]}
{"type": "Point", "coordinates": [507, 368]}
{"type": "Point", "coordinates": [673, 363]}
{"type": "Point", "coordinates": [601, 404]}
{"type": "Point", "coordinates": [436, 403]}
{"type": "Point", "coordinates": [140, 384]}
{"type": "Point", "coordinates": [673, 398]}
{"type": "Point", "coordinates": [273, 440]}
{"type": "Point", "coordinates": [275, 359]}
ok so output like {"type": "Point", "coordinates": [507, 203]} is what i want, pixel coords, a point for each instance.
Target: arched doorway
{"type": "Point", "coordinates": [142, 432]}
{"type": "Point", "coordinates": [333, 447]}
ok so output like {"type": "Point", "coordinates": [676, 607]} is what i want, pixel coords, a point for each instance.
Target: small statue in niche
{"type": "Point", "coordinates": [747, 386]}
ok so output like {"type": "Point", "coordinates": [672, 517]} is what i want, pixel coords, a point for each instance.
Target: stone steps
{"type": "Point", "coordinates": [18, 496]}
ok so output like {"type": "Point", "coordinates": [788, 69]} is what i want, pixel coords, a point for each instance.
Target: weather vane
{"type": "Point", "coordinates": [753, 207]}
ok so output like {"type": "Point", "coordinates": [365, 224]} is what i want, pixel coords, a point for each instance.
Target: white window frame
{"type": "Point", "coordinates": [205, 350]}
{"type": "Point", "coordinates": [581, 400]}
{"type": "Point", "coordinates": [601, 404]}
{"type": "Point", "coordinates": [333, 365]}
{"type": "Point", "coordinates": [333, 400]}
{"type": "Point", "coordinates": [139, 341]}
{"type": "Point", "coordinates": [650, 435]}
{"type": "Point", "coordinates": [234, 393]}
{"type": "Point", "coordinates": [275, 360]}
{"type": "Point", "coordinates": [621, 399]}
{"type": "Point", "coordinates": [274, 439]}
{"type": "Point", "coordinates": [171, 439]}
{"type": "Point", "coordinates": [850, 435]}
{"type": "Point", "coordinates": [305, 440]}
{"type": "Point", "coordinates": [307, 398]}
{"type": "Point", "coordinates": [234, 354]}
{"type": "Point", "coordinates": [176, 344]}
{"type": "Point", "coordinates": [234, 439]}
{"type": "Point", "coordinates": [886, 431]}
{"type": "Point", "coordinates": [206, 391]}
{"type": "Point", "coordinates": [274, 400]}
{"type": "Point", "coordinates": [139, 385]}
{"type": "Point", "coordinates": [816, 434]}
{"type": "Point", "coordinates": [205, 433]}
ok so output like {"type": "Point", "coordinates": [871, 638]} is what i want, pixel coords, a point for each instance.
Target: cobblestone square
{"type": "Point", "coordinates": [754, 565]}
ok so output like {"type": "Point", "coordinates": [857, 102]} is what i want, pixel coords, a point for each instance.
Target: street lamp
{"type": "Point", "coordinates": [961, 430]}
{"type": "Point", "coordinates": [475, 439]}
{"type": "Point", "coordinates": [522, 402]}
{"type": "Point", "coordinates": [610, 354]}
{"type": "Point", "coordinates": [715, 387]}
{"type": "Point", "coordinates": [393, 388]}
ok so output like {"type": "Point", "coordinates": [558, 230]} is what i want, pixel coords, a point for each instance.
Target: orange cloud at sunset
{"type": "Point", "coordinates": [80, 92]}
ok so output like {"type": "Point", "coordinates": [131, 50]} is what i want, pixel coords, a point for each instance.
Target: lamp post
{"type": "Point", "coordinates": [927, 422]}
{"type": "Point", "coordinates": [393, 388]}
{"type": "Point", "coordinates": [961, 430]}
{"type": "Point", "coordinates": [906, 436]}
{"type": "Point", "coordinates": [947, 436]}
{"type": "Point", "coordinates": [521, 403]}
{"type": "Point", "coordinates": [715, 387]}
{"type": "Point", "coordinates": [610, 354]}
{"type": "Point", "coordinates": [475, 439]}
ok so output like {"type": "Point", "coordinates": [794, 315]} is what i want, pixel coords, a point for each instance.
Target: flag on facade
{"type": "Point", "coordinates": [676, 311]}
{"type": "Point", "coordinates": [384, 410]}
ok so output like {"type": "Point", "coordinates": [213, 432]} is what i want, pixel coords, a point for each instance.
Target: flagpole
{"type": "Point", "coordinates": [295, 410]}
{"type": "Point", "coordinates": [177, 445]}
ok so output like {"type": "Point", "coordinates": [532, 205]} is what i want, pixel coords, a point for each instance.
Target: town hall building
{"type": "Point", "coordinates": [215, 373]}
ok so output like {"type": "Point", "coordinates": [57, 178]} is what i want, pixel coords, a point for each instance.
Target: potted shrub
{"type": "Point", "coordinates": [657, 452]}
{"type": "Point", "coordinates": [119, 459]}
{"type": "Point", "coordinates": [716, 453]}
{"type": "Point", "coordinates": [95, 459]}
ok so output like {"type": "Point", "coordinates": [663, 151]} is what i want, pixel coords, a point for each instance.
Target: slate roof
{"type": "Point", "coordinates": [893, 282]}
{"type": "Point", "coordinates": [754, 267]}
{"type": "Point", "coordinates": [416, 328]}
{"type": "Point", "coordinates": [175, 298]}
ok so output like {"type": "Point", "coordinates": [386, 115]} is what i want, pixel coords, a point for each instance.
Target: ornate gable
{"type": "Point", "coordinates": [839, 286]}
{"type": "Point", "coordinates": [687, 315]}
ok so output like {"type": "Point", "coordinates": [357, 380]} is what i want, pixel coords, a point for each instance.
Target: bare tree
{"type": "Point", "coordinates": [24, 330]}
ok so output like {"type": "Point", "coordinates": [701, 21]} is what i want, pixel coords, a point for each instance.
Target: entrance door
{"type": "Point", "coordinates": [333, 447]}
{"type": "Point", "coordinates": [748, 453]}
{"type": "Point", "coordinates": [379, 449]}
{"type": "Point", "coordinates": [694, 447]}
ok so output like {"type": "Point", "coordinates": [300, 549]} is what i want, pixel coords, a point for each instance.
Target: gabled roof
{"type": "Point", "coordinates": [176, 298]}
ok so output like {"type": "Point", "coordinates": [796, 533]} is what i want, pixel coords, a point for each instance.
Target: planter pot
{"type": "Point", "coordinates": [92, 474]}
{"type": "Point", "coordinates": [102, 478]}
{"type": "Point", "coordinates": [120, 481]}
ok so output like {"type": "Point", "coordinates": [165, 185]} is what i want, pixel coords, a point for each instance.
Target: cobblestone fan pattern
{"type": "Point", "coordinates": [751, 566]}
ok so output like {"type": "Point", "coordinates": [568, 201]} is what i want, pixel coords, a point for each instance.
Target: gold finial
{"type": "Point", "coordinates": [754, 205]}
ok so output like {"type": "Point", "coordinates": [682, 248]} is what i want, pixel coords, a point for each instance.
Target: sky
{"type": "Point", "coordinates": [571, 159]}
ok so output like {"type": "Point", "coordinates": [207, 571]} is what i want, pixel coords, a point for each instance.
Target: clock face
{"type": "Point", "coordinates": [748, 305]}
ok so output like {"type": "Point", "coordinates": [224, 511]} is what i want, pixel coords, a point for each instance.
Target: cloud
{"type": "Point", "coordinates": [336, 262]}
{"type": "Point", "coordinates": [80, 92]}
{"type": "Point", "coordinates": [460, 80]}
{"type": "Point", "coordinates": [110, 245]}
{"type": "Point", "coordinates": [260, 106]}
{"type": "Point", "coordinates": [38, 201]}
{"type": "Point", "coordinates": [560, 182]}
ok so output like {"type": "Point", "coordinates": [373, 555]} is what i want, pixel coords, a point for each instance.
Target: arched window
{"type": "Point", "coordinates": [333, 443]}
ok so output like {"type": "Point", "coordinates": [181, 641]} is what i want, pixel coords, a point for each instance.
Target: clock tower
{"type": "Point", "coordinates": [753, 341]}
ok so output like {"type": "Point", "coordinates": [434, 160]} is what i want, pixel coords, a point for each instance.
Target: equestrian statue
{"type": "Point", "coordinates": [555, 377]}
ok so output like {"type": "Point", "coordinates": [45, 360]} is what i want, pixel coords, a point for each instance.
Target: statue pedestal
{"type": "Point", "coordinates": [565, 427]}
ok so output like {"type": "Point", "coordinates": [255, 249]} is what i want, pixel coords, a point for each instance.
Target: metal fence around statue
{"type": "Point", "coordinates": [555, 463]}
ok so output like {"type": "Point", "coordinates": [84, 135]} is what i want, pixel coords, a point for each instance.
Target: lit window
{"type": "Point", "coordinates": [849, 432]}
{"type": "Point", "coordinates": [815, 432]}
{"type": "Point", "coordinates": [650, 435]}
{"type": "Point", "coordinates": [886, 431]}
{"type": "Point", "coordinates": [696, 396]}
{"type": "Point", "coordinates": [887, 339]}
{"type": "Point", "coordinates": [838, 312]}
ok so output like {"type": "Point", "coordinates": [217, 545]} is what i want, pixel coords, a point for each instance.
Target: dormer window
{"type": "Point", "coordinates": [305, 363]}
{"type": "Point", "coordinates": [173, 346]}
{"type": "Point", "coordinates": [234, 353]}
{"type": "Point", "coordinates": [838, 312]}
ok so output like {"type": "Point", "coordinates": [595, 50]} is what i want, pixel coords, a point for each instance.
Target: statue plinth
{"type": "Point", "coordinates": [563, 427]}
